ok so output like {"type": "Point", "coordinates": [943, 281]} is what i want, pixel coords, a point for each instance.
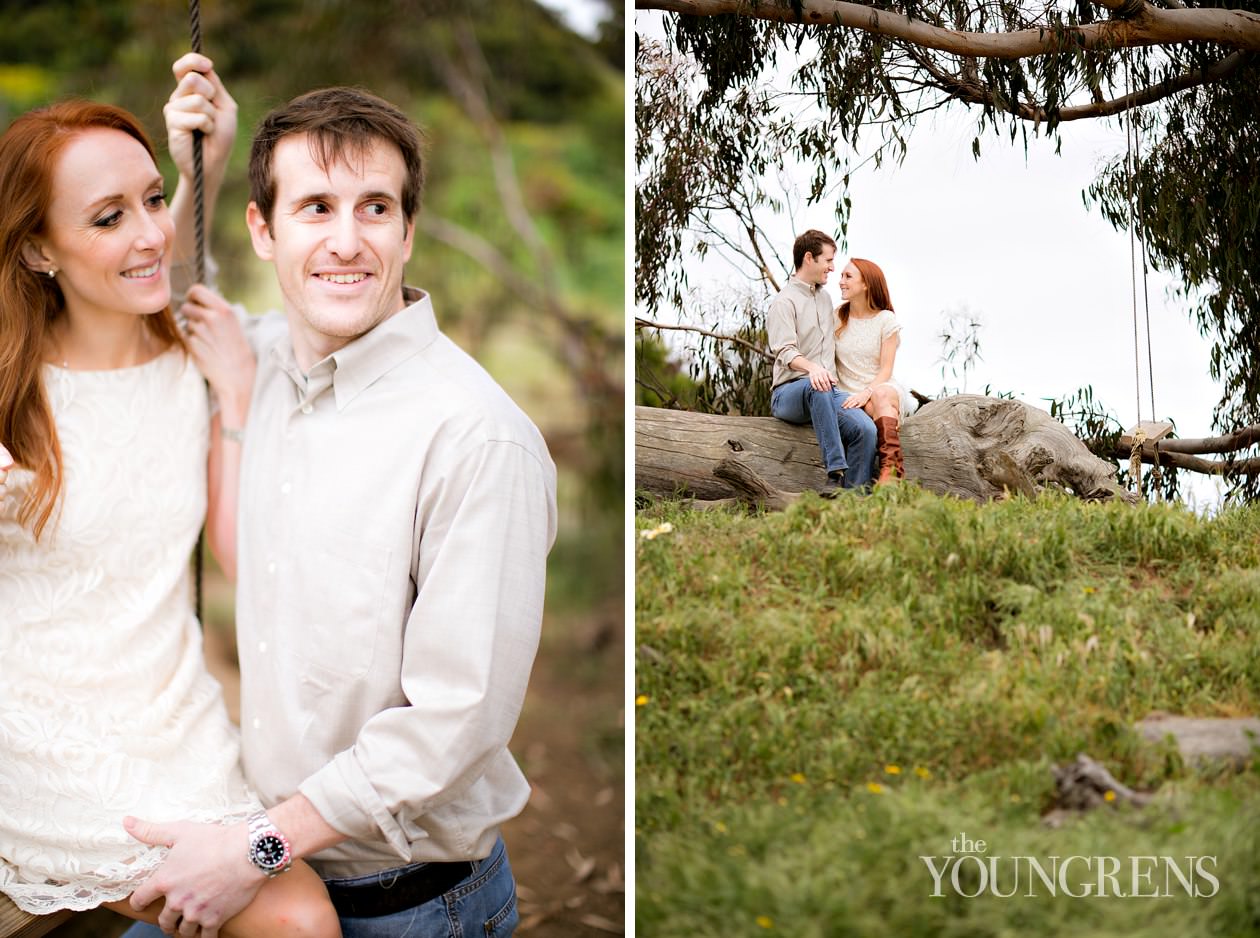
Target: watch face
{"type": "Point", "coordinates": [269, 852]}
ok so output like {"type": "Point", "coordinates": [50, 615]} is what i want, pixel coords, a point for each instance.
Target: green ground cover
{"type": "Point", "coordinates": [828, 694]}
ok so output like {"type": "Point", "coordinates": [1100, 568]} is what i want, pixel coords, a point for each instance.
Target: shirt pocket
{"type": "Point", "coordinates": [344, 594]}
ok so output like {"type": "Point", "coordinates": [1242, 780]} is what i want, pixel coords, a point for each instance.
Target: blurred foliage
{"type": "Point", "coordinates": [659, 378]}
{"type": "Point", "coordinates": [727, 372]}
{"type": "Point", "coordinates": [545, 316]}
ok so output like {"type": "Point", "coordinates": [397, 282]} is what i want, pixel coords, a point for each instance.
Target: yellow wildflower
{"type": "Point", "coordinates": [893, 769]}
{"type": "Point", "coordinates": [798, 777]}
{"type": "Point", "coordinates": [765, 921]}
{"type": "Point", "coordinates": [921, 771]}
{"type": "Point", "coordinates": [875, 788]}
{"type": "Point", "coordinates": [1109, 795]}
{"type": "Point", "coordinates": [641, 700]}
{"type": "Point", "coordinates": [653, 533]}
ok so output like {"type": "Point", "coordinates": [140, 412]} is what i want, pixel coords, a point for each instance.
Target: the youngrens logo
{"type": "Point", "coordinates": [966, 871]}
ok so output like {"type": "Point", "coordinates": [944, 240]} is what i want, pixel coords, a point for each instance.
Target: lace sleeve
{"type": "Point", "coordinates": [890, 326]}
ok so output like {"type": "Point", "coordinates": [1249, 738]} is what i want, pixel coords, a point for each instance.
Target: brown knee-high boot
{"type": "Point", "coordinates": [888, 439]}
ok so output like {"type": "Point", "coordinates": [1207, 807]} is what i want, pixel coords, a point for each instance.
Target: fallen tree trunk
{"type": "Point", "coordinates": [968, 446]}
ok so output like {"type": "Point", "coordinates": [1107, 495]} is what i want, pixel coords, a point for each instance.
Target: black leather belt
{"type": "Point", "coordinates": [392, 891]}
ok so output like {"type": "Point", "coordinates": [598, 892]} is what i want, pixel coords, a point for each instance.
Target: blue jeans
{"type": "Point", "coordinates": [845, 436]}
{"type": "Point", "coordinates": [483, 904]}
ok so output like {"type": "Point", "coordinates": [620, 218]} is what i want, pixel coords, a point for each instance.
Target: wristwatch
{"type": "Point", "coordinates": [268, 848]}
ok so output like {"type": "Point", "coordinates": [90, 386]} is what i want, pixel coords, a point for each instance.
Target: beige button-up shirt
{"type": "Point", "coordinates": [801, 321]}
{"type": "Point", "coordinates": [396, 512]}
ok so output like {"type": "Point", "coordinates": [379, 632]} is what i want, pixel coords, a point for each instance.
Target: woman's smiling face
{"type": "Point", "coordinates": [851, 283]}
{"type": "Point", "coordinates": [108, 229]}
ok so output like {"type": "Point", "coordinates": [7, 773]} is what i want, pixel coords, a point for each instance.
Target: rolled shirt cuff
{"type": "Point", "coordinates": [346, 800]}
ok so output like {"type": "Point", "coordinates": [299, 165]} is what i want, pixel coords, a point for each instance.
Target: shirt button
{"type": "Point", "coordinates": [257, 723]}
{"type": "Point", "coordinates": [262, 647]}
{"type": "Point", "coordinates": [307, 408]}
{"type": "Point", "coordinates": [286, 488]}
{"type": "Point", "coordinates": [271, 567]}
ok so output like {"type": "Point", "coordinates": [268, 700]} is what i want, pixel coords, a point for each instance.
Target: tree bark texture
{"type": "Point", "coordinates": [14, 923]}
{"type": "Point", "coordinates": [1239, 29]}
{"type": "Point", "coordinates": [967, 446]}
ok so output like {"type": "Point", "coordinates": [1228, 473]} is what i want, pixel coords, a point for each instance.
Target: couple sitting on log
{"type": "Point", "coordinates": [833, 367]}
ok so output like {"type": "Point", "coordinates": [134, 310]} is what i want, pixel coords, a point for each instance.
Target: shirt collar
{"type": "Point", "coordinates": [362, 361]}
{"type": "Point", "coordinates": [811, 288]}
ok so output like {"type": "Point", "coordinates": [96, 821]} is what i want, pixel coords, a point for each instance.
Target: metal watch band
{"type": "Point", "coordinates": [269, 849]}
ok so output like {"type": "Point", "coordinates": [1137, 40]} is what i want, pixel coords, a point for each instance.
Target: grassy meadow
{"type": "Point", "coordinates": [828, 694]}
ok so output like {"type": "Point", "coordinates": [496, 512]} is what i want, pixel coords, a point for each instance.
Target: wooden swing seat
{"type": "Point", "coordinates": [14, 923]}
{"type": "Point", "coordinates": [1151, 430]}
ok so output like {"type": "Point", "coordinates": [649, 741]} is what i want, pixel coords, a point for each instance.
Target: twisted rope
{"type": "Point", "coordinates": [199, 265]}
{"type": "Point", "coordinates": [1129, 173]}
{"type": "Point", "coordinates": [1132, 168]}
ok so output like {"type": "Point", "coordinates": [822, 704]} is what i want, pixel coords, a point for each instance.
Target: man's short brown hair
{"type": "Point", "coordinates": [342, 124]}
{"type": "Point", "coordinates": [811, 242]}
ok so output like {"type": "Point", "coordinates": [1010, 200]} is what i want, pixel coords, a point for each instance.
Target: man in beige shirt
{"type": "Point", "coordinates": [395, 516]}
{"type": "Point", "coordinates": [800, 325]}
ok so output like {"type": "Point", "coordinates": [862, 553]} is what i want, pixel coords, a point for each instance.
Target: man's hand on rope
{"type": "Point", "coordinates": [200, 102]}
{"type": "Point", "coordinates": [6, 463]}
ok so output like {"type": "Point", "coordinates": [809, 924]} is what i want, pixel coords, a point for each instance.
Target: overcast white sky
{"type": "Point", "coordinates": [1009, 239]}
{"type": "Point", "coordinates": [583, 16]}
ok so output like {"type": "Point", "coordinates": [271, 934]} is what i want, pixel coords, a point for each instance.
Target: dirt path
{"type": "Point", "coordinates": [567, 848]}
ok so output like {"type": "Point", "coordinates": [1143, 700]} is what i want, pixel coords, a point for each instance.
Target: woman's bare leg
{"type": "Point", "coordinates": [293, 905]}
{"type": "Point", "coordinates": [884, 402]}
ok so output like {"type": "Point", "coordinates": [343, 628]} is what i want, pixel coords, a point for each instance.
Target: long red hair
{"type": "Point", "coordinates": [31, 301]}
{"type": "Point", "coordinates": [876, 290]}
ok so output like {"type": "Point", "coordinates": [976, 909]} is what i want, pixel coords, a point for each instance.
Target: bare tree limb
{"type": "Point", "coordinates": [585, 346]}
{"type": "Point", "coordinates": [1230, 442]}
{"type": "Point", "coordinates": [469, 85]}
{"type": "Point", "coordinates": [960, 87]}
{"type": "Point", "coordinates": [1239, 29]}
{"type": "Point", "coordinates": [1211, 467]}
{"type": "Point", "coordinates": [640, 323]}
{"type": "Point", "coordinates": [761, 258]}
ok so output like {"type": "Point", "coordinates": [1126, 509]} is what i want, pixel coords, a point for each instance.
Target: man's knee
{"type": "Point", "coordinates": [860, 424]}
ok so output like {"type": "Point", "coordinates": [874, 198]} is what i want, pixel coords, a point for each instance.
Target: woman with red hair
{"type": "Point", "coordinates": [106, 706]}
{"type": "Point", "coordinates": [867, 336]}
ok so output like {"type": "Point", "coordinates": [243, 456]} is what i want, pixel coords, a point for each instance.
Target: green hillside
{"type": "Point", "coordinates": [828, 694]}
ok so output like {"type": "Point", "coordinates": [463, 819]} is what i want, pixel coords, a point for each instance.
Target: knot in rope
{"type": "Point", "coordinates": [1135, 459]}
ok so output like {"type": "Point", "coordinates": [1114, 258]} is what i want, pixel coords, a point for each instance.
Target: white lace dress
{"type": "Point", "coordinates": [106, 707]}
{"type": "Point", "coordinates": [857, 355]}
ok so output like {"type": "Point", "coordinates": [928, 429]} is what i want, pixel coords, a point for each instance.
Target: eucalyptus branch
{"type": "Point", "coordinates": [640, 323]}
{"type": "Point", "coordinates": [1216, 467]}
{"type": "Point", "coordinates": [1146, 27]}
{"type": "Point", "coordinates": [468, 84]}
{"type": "Point", "coordinates": [964, 87]}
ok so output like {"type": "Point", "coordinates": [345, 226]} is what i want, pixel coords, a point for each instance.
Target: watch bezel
{"type": "Point", "coordinates": [265, 841]}
{"type": "Point", "coordinates": [269, 842]}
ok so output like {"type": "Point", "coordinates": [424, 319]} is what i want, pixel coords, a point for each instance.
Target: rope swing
{"type": "Point", "coordinates": [199, 266]}
{"type": "Point", "coordinates": [1151, 430]}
